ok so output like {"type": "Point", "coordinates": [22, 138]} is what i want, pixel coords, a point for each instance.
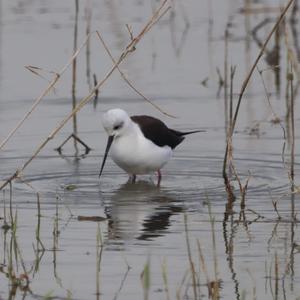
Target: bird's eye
{"type": "Point", "coordinates": [118, 126]}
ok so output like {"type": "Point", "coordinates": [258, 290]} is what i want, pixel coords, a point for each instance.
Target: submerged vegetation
{"type": "Point", "coordinates": [234, 223]}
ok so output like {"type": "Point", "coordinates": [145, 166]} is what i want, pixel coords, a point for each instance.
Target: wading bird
{"type": "Point", "coordinates": [139, 144]}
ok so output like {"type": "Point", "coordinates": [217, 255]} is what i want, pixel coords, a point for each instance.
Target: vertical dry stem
{"type": "Point", "coordinates": [74, 68]}
{"type": "Point", "coordinates": [192, 267]}
{"type": "Point", "coordinates": [88, 15]}
{"type": "Point", "coordinates": [292, 171]}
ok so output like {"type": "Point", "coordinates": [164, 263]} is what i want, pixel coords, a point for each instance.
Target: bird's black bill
{"type": "Point", "coordinates": [109, 142]}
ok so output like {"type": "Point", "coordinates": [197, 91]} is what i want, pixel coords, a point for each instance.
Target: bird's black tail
{"type": "Point", "coordinates": [179, 133]}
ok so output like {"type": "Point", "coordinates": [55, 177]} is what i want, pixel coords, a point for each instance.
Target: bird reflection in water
{"type": "Point", "coordinates": [140, 211]}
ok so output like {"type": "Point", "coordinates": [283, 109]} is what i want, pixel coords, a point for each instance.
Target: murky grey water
{"type": "Point", "coordinates": [256, 254]}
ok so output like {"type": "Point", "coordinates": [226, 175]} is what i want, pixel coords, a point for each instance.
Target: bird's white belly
{"type": "Point", "coordinates": [137, 155]}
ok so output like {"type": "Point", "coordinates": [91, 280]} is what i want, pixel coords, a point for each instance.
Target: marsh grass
{"type": "Point", "coordinates": [164, 270]}
{"type": "Point", "coordinates": [99, 251]}
{"type": "Point", "coordinates": [145, 279]}
{"type": "Point", "coordinates": [213, 285]}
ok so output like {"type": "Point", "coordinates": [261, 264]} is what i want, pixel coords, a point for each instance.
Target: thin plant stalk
{"type": "Point", "coordinates": [178, 291]}
{"type": "Point", "coordinates": [192, 267]}
{"type": "Point", "coordinates": [216, 281]}
{"type": "Point", "coordinates": [276, 276]}
{"type": "Point", "coordinates": [122, 282]}
{"type": "Point", "coordinates": [88, 15]}
{"type": "Point", "coordinates": [99, 250]}
{"type": "Point", "coordinates": [292, 171]}
{"type": "Point", "coordinates": [226, 77]}
{"type": "Point", "coordinates": [127, 80]}
{"type": "Point", "coordinates": [204, 268]}
{"type": "Point", "coordinates": [165, 279]}
{"type": "Point", "coordinates": [145, 278]}
{"type": "Point", "coordinates": [228, 152]}
{"type": "Point", "coordinates": [38, 226]}
{"type": "Point", "coordinates": [10, 206]}
{"type": "Point", "coordinates": [74, 68]}
{"type": "Point", "coordinates": [4, 211]}
{"type": "Point", "coordinates": [275, 117]}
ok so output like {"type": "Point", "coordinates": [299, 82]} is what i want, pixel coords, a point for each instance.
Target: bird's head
{"type": "Point", "coordinates": [115, 122]}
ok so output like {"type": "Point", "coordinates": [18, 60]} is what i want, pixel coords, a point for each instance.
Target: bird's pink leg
{"type": "Point", "coordinates": [158, 177]}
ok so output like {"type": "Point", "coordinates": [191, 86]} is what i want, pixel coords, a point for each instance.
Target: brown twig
{"type": "Point", "coordinates": [275, 117]}
{"type": "Point", "coordinates": [292, 163]}
{"type": "Point", "coordinates": [88, 18]}
{"type": "Point", "coordinates": [126, 79]}
{"type": "Point", "coordinates": [74, 73]}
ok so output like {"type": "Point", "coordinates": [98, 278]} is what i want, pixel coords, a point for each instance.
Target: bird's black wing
{"type": "Point", "coordinates": [156, 131]}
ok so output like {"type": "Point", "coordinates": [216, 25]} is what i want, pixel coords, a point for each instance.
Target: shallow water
{"type": "Point", "coordinates": [256, 250]}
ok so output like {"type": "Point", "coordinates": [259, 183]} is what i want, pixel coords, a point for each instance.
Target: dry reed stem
{"type": "Point", "coordinates": [122, 281]}
{"type": "Point", "coordinates": [228, 152]}
{"type": "Point", "coordinates": [292, 163]}
{"type": "Point", "coordinates": [276, 118]}
{"type": "Point", "coordinates": [232, 73]}
{"type": "Point", "coordinates": [165, 279]}
{"type": "Point", "coordinates": [10, 206]}
{"type": "Point", "coordinates": [36, 71]}
{"type": "Point", "coordinates": [99, 251]}
{"type": "Point", "coordinates": [276, 275]}
{"type": "Point", "coordinates": [74, 74]}
{"type": "Point", "coordinates": [192, 267]}
{"type": "Point", "coordinates": [88, 17]}
{"type": "Point", "coordinates": [215, 283]}
{"type": "Point", "coordinates": [44, 93]}
{"type": "Point", "coordinates": [130, 48]}
{"type": "Point", "coordinates": [274, 203]}
{"type": "Point", "coordinates": [204, 269]}
{"type": "Point", "coordinates": [243, 188]}
{"type": "Point", "coordinates": [178, 291]}
{"type": "Point", "coordinates": [126, 79]}
{"type": "Point", "coordinates": [226, 76]}
{"type": "Point", "coordinates": [292, 53]}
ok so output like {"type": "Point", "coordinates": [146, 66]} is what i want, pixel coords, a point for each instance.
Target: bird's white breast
{"type": "Point", "coordinates": [138, 155]}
